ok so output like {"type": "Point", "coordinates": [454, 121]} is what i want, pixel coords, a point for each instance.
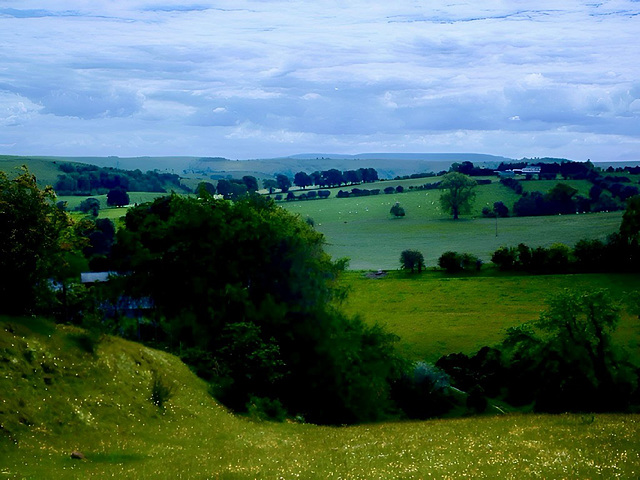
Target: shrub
{"type": "Point", "coordinates": [423, 392]}
{"type": "Point", "coordinates": [451, 262]}
{"type": "Point", "coordinates": [161, 391]}
{"type": "Point", "coordinates": [505, 258]}
{"type": "Point", "coordinates": [412, 259]}
{"type": "Point", "coordinates": [397, 211]}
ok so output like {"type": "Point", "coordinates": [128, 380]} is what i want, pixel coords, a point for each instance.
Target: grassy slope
{"type": "Point", "coordinates": [363, 230]}
{"type": "Point", "coordinates": [435, 314]}
{"type": "Point", "coordinates": [99, 404]}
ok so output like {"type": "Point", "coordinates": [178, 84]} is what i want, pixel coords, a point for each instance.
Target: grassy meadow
{"type": "Point", "coordinates": [435, 314]}
{"type": "Point", "coordinates": [60, 394]}
{"type": "Point", "coordinates": [363, 230]}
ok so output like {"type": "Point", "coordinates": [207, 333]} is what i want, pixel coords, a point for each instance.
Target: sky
{"type": "Point", "coordinates": [247, 79]}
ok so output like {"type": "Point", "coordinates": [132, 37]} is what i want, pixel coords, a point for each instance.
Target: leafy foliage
{"type": "Point", "coordinates": [39, 243]}
{"type": "Point", "coordinates": [251, 284]}
{"type": "Point", "coordinates": [117, 197]}
{"type": "Point", "coordinates": [457, 194]}
{"type": "Point", "coordinates": [412, 259]}
{"type": "Point", "coordinates": [567, 360]}
{"type": "Point", "coordinates": [397, 210]}
{"type": "Point", "coordinates": [82, 179]}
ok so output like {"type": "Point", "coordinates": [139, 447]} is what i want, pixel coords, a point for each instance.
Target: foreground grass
{"type": "Point", "coordinates": [98, 402]}
{"type": "Point", "coordinates": [435, 314]}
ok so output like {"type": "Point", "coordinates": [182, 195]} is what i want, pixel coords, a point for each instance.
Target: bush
{"type": "Point", "coordinates": [161, 391]}
{"type": "Point", "coordinates": [397, 211]}
{"type": "Point", "coordinates": [423, 392]}
{"type": "Point", "coordinates": [505, 258]}
{"type": "Point", "coordinates": [451, 262]}
{"type": "Point", "coordinates": [412, 259]}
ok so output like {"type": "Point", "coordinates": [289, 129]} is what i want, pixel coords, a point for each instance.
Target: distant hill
{"type": "Point", "coordinates": [388, 165]}
{"type": "Point", "coordinates": [431, 157]}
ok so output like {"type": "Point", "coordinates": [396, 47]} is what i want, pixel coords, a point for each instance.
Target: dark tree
{"type": "Point", "coordinates": [368, 174]}
{"type": "Point", "coordinates": [224, 187]}
{"type": "Point", "coordinates": [332, 177]}
{"type": "Point", "coordinates": [451, 262]}
{"type": "Point", "coordinates": [270, 185]}
{"type": "Point", "coordinates": [412, 260]}
{"type": "Point", "coordinates": [261, 307]}
{"type": "Point", "coordinates": [117, 197]}
{"type": "Point", "coordinates": [630, 226]}
{"type": "Point", "coordinates": [39, 243]}
{"type": "Point", "coordinates": [284, 183]}
{"type": "Point", "coordinates": [397, 210]}
{"type": "Point", "coordinates": [500, 209]}
{"type": "Point", "coordinates": [302, 180]}
{"type": "Point", "coordinates": [205, 188]}
{"type": "Point", "coordinates": [560, 199]}
{"type": "Point", "coordinates": [90, 205]}
{"type": "Point", "coordinates": [352, 176]}
{"type": "Point", "coordinates": [569, 357]}
{"type": "Point", "coordinates": [251, 183]}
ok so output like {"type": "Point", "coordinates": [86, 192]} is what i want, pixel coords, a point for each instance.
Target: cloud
{"type": "Point", "coordinates": [255, 78]}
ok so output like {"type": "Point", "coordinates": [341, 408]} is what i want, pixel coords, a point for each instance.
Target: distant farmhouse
{"type": "Point", "coordinates": [518, 171]}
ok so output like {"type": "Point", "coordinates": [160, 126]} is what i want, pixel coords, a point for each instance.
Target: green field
{"type": "Point", "coordinates": [435, 314]}
{"type": "Point", "coordinates": [362, 229]}
{"type": "Point", "coordinates": [57, 398]}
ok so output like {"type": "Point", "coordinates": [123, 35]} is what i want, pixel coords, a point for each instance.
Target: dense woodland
{"type": "Point", "coordinates": [244, 293]}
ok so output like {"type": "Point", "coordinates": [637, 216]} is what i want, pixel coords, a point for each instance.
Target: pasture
{"type": "Point", "coordinates": [58, 398]}
{"type": "Point", "coordinates": [435, 314]}
{"type": "Point", "coordinates": [363, 230]}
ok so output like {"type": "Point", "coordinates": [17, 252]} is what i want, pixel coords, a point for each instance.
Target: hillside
{"type": "Point", "coordinates": [64, 390]}
{"type": "Point", "coordinates": [389, 165]}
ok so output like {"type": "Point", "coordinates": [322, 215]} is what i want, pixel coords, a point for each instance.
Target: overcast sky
{"type": "Point", "coordinates": [261, 78]}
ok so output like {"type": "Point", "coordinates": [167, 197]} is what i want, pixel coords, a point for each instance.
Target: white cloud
{"type": "Point", "coordinates": [254, 78]}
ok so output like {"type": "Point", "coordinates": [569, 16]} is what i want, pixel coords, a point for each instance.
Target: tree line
{"type": "Point", "coordinates": [84, 180]}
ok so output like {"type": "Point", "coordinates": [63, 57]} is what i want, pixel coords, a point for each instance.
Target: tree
{"type": "Point", "coordinates": [568, 355]}
{"type": "Point", "coordinates": [270, 185]}
{"type": "Point", "coordinates": [630, 226]}
{"type": "Point", "coordinates": [205, 188]}
{"type": "Point", "coordinates": [412, 259]}
{"type": "Point", "coordinates": [251, 183]}
{"type": "Point", "coordinates": [117, 197]}
{"type": "Point", "coordinates": [283, 182]}
{"type": "Point", "coordinates": [500, 209]}
{"type": "Point", "coordinates": [90, 205]}
{"type": "Point", "coordinates": [224, 187]}
{"type": "Point", "coordinates": [332, 177]}
{"type": "Point", "coordinates": [368, 175]}
{"type": "Point", "coordinates": [38, 243]}
{"type": "Point", "coordinates": [302, 180]}
{"type": "Point", "coordinates": [457, 194]}
{"type": "Point", "coordinates": [451, 262]}
{"type": "Point", "coordinates": [249, 284]}
{"type": "Point", "coordinates": [352, 176]}
{"type": "Point", "coordinates": [560, 199]}
{"type": "Point", "coordinates": [397, 210]}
